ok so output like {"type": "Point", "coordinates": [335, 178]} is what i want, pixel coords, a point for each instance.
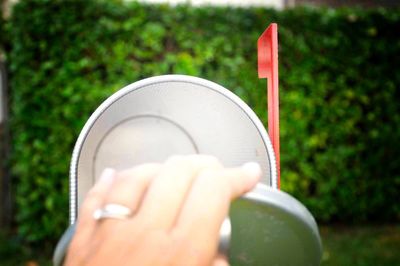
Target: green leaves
{"type": "Point", "coordinates": [339, 93]}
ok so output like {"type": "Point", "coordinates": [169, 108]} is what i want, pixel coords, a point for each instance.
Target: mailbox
{"type": "Point", "coordinates": [152, 119]}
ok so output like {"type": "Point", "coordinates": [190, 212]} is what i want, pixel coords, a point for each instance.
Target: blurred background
{"type": "Point", "coordinates": [339, 98]}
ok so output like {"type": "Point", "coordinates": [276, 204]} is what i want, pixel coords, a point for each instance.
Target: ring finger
{"type": "Point", "coordinates": [130, 187]}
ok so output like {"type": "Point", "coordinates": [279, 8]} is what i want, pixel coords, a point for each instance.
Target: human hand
{"type": "Point", "coordinates": [178, 208]}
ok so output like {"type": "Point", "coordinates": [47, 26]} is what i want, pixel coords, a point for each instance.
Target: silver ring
{"type": "Point", "coordinates": [113, 211]}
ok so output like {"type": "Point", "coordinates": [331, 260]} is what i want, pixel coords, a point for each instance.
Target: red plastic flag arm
{"type": "Point", "coordinates": [268, 68]}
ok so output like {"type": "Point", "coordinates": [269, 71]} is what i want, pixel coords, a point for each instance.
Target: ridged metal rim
{"type": "Point", "coordinates": [144, 83]}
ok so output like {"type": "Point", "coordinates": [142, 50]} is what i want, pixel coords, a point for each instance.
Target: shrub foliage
{"type": "Point", "coordinates": [339, 86]}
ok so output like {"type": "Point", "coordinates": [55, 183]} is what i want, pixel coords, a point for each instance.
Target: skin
{"type": "Point", "coordinates": [178, 208]}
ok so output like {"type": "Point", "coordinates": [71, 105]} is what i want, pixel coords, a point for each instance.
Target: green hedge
{"type": "Point", "coordinates": [339, 84]}
{"type": "Point", "coordinates": [2, 31]}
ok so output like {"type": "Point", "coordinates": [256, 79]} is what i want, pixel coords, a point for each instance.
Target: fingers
{"type": "Point", "coordinates": [168, 191]}
{"type": "Point", "coordinates": [130, 185]}
{"type": "Point", "coordinates": [178, 208]}
{"type": "Point", "coordinates": [207, 205]}
{"type": "Point", "coordinates": [220, 261]}
{"type": "Point", "coordinates": [86, 223]}
{"type": "Point", "coordinates": [95, 199]}
{"type": "Point", "coordinates": [127, 190]}
{"type": "Point", "coordinates": [242, 180]}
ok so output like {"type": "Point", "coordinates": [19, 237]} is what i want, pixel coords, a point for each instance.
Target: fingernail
{"type": "Point", "coordinates": [107, 176]}
{"type": "Point", "coordinates": [252, 169]}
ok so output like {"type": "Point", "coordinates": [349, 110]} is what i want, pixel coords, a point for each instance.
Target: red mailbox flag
{"type": "Point", "coordinates": [268, 68]}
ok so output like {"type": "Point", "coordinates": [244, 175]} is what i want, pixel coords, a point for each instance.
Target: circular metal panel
{"type": "Point", "coordinates": [154, 118]}
{"type": "Point", "coordinates": [141, 139]}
